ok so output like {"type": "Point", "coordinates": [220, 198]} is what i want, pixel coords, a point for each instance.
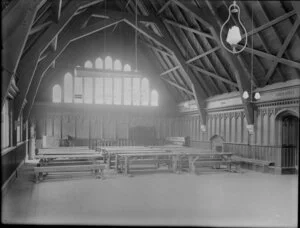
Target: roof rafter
{"type": "Point", "coordinates": [238, 71]}
{"type": "Point", "coordinates": [178, 86]}
{"type": "Point", "coordinates": [13, 42]}
{"type": "Point", "coordinates": [29, 62]}
{"type": "Point", "coordinates": [282, 49]}
{"type": "Point", "coordinates": [73, 33]}
{"type": "Point", "coordinates": [213, 75]}
{"type": "Point", "coordinates": [189, 29]}
{"type": "Point", "coordinates": [56, 8]}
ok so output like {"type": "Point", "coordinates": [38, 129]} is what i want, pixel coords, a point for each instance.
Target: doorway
{"type": "Point", "coordinates": [290, 142]}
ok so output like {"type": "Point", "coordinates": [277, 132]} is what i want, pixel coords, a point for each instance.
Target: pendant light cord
{"type": "Point", "coordinates": [136, 26]}
{"type": "Point", "coordinates": [251, 54]}
{"type": "Point", "coordinates": [104, 43]}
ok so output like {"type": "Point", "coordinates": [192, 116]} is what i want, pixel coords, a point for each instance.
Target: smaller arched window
{"type": "Point", "coordinates": [99, 63]}
{"type": "Point", "coordinates": [68, 88]}
{"type": "Point", "coordinates": [108, 63]}
{"type": "Point", "coordinates": [56, 94]}
{"type": "Point", "coordinates": [117, 65]}
{"type": "Point", "coordinates": [88, 64]}
{"type": "Point", "coordinates": [127, 67]}
{"type": "Point", "coordinates": [154, 98]}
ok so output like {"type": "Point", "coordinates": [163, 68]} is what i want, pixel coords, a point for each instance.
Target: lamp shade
{"type": "Point", "coordinates": [257, 96]}
{"type": "Point", "coordinates": [233, 36]}
{"type": "Point", "coordinates": [245, 95]}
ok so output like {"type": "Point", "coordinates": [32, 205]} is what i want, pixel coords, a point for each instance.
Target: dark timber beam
{"type": "Point", "coordinates": [296, 5]}
{"type": "Point", "coordinates": [16, 25]}
{"type": "Point", "coordinates": [272, 57]}
{"type": "Point", "coordinates": [282, 50]}
{"type": "Point", "coordinates": [74, 33]}
{"type": "Point", "coordinates": [164, 6]}
{"type": "Point", "coordinates": [213, 75]}
{"type": "Point", "coordinates": [155, 48]}
{"type": "Point", "coordinates": [40, 27]}
{"type": "Point", "coordinates": [30, 60]}
{"type": "Point", "coordinates": [238, 71]}
{"type": "Point", "coordinates": [270, 23]}
{"type": "Point", "coordinates": [189, 29]}
{"type": "Point", "coordinates": [178, 86]}
{"type": "Point", "coordinates": [197, 91]}
{"type": "Point", "coordinates": [56, 9]}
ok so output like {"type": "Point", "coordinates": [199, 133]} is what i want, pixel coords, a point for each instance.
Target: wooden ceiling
{"type": "Point", "coordinates": [182, 35]}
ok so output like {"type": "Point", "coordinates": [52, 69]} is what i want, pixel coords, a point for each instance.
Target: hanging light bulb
{"type": "Point", "coordinates": [245, 95]}
{"type": "Point", "coordinates": [236, 31]}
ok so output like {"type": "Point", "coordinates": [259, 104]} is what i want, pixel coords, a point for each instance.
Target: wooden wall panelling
{"type": "Point", "coordinates": [233, 128]}
{"type": "Point", "coordinates": [245, 133]}
{"type": "Point", "coordinates": [239, 127]}
{"type": "Point", "coordinates": [57, 126]}
{"type": "Point", "coordinates": [213, 128]}
{"type": "Point", "coordinates": [272, 126]}
{"type": "Point", "coordinates": [266, 129]}
{"type": "Point", "coordinates": [68, 126]}
{"type": "Point", "coordinates": [49, 126]}
{"type": "Point", "coordinates": [259, 129]}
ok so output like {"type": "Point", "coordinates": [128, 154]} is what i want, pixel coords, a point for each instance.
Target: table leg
{"type": "Point", "coordinates": [126, 166]}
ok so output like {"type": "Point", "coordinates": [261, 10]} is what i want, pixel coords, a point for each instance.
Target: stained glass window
{"type": "Point", "coordinates": [108, 91]}
{"type": "Point", "coordinates": [127, 91]}
{"type": "Point", "coordinates": [117, 65]}
{"type": "Point", "coordinates": [136, 89]}
{"type": "Point", "coordinates": [99, 91]}
{"type": "Point", "coordinates": [88, 90]}
{"type": "Point", "coordinates": [117, 91]}
{"type": "Point", "coordinates": [145, 92]}
{"type": "Point", "coordinates": [88, 64]}
{"type": "Point", "coordinates": [68, 88]}
{"type": "Point", "coordinates": [78, 96]}
{"type": "Point", "coordinates": [99, 63]}
{"type": "Point", "coordinates": [56, 96]}
{"type": "Point", "coordinates": [108, 63]}
{"type": "Point", "coordinates": [127, 67]}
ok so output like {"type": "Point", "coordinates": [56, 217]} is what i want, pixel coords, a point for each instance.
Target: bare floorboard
{"type": "Point", "coordinates": [217, 199]}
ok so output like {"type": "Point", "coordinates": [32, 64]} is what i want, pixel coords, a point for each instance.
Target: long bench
{"type": "Point", "coordinates": [261, 163]}
{"type": "Point", "coordinates": [193, 161]}
{"type": "Point", "coordinates": [125, 160]}
{"type": "Point", "coordinates": [42, 171]}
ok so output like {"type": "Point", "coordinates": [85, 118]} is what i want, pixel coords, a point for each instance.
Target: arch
{"type": "Point", "coordinates": [216, 143]}
{"type": "Point", "coordinates": [154, 98]}
{"type": "Point", "coordinates": [108, 63]}
{"type": "Point", "coordinates": [99, 63]}
{"type": "Point", "coordinates": [56, 94]}
{"type": "Point", "coordinates": [117, 65]}
{"type": "Point", "coordinates": [278, 122]}
{"type": "Point", "coordinates": [68, 88]}
{"type": "Point", "coordinates": [88, 64]}
{"type": "Point", "coordinates": [127, 67]}
{"type": "Point", "coordinates": [285, 112]}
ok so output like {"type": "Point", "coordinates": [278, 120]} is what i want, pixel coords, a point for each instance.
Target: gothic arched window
{"type": "Point", "coordinates": [108, 63]}
{"type": "Point", "coordinates": [127, 67]}
{"type": "Point", "coordinates": [99, 63]}
{"type": "Point", "coordinates": [68, 88]}
{"type": "Point", "coordinates": [117, 65]}
{"type": "Point", "coordinates": [88, 64]}
{"type": "Point", "coordinates": [56, 94]}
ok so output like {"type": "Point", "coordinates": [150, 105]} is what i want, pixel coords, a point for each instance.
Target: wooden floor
{"type": "Point", "coordinates": [217, 199]}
